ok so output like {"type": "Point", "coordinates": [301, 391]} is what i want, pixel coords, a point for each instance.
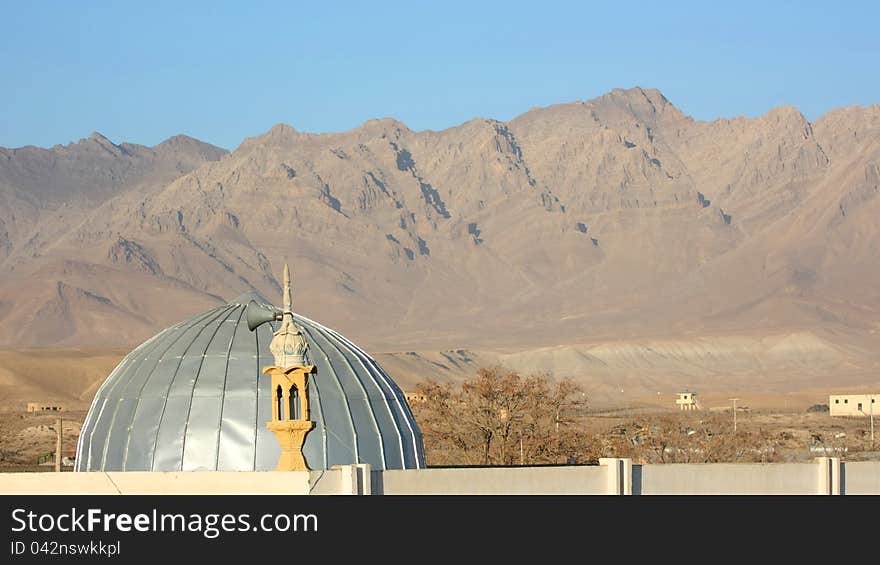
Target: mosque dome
{"type": "Point", "coordinates": [194, 397]}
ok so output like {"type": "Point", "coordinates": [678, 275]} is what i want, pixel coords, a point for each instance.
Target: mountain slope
{"type": "Point", "coordinates": [618, 218]}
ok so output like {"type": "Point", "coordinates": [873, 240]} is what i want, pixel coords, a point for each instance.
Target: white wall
{"type": "Point", "coordinates": [499, 480]}
{"type": "Point", "coordinates": [862, 477]}
{"type": "Point", "coordinates": [180, 482]}
{"type": "Point", "coordinates": [827, 475]}
{"type": "Point", "coordinates": [727, 478]}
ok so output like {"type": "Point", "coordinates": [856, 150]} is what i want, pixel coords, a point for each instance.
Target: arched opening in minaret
{"type": "Point", "coordinates": [279, 402]}
{"type": "Point", "coordinates": [294, 407]}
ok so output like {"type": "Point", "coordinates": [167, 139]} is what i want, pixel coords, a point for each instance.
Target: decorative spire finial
{"type": "Point", "coordinates": [288, 345]}
{"type": "Point", "coordinates": [288, 309]}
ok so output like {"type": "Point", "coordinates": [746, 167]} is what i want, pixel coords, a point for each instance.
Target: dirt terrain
{"type": "Point", "coordinates": [762, 435]}
{"type": "Point", "coordinates": [778, 410]}
{"type": "Point", "coordinates": [26, 439]}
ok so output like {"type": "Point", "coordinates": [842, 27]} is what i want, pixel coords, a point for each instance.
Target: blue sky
{"type": "Point", "coordinates": [223, 71]}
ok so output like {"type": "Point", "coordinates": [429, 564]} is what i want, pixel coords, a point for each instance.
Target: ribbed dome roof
{"type": "Point", "coordinates": [193, 397]}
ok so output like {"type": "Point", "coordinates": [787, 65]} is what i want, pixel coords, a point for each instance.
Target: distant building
{"type": "Point", "coordinates": [858, 405]}
{"type": "Point", "coordinates": [42, 407]}
{"type": "Point", "coordinates": [687, 401]}
{"type": "Point", "coordinates": [415, 398]}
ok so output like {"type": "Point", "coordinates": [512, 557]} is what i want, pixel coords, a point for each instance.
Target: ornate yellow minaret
{"type": "Point", "coordinates": [290, 388]}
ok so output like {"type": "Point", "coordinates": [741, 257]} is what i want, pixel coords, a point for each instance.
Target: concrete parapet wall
{"type": "Point", "coordinates": [862, 477]}
{"type": "Point", "coordinates": [180, 482]}
{"type": "Point", "coordinates": [728, 478]}
{"type": "Point", "coordinates": [826, 475]}
{"type": "Point", "coordinates": [498, 480]}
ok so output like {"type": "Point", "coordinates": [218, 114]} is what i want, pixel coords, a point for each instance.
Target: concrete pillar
{"type": "Point", "coordinates": [365, 477]}
{"type": "Point", "coordinates": [829, 475]}
{"type": "Point", "coordinates": [619, 473]}
{"type": "Point", "coordinates": [58, 431]}
{"type": "Point", "coordinates": [354, 479]}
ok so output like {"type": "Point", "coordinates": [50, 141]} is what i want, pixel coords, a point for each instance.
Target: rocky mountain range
{"type": "Point", "coordinates": [618, 229]}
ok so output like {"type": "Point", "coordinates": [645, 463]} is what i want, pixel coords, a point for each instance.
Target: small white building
{"type": "Point", "coordinates": [43, 407]}
{"type": "Point", "coordinates": [687, 400]}
{"type": "Point", "coordinates": [858, 405]}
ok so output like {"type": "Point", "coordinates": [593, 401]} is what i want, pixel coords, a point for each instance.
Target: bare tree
{"type": "Point", "coordinates": [501, 418]}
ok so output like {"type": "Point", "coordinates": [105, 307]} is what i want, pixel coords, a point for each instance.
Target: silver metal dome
{"type": "Point", "coordinates": [193, 397]}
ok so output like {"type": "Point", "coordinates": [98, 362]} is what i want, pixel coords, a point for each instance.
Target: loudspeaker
{"type": "Point", "coordinates": [258, 315]}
